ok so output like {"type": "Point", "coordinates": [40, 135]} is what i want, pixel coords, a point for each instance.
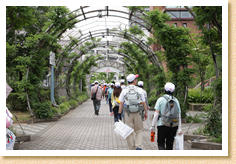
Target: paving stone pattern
{"type": "Point", "coordinates": [81, 129]}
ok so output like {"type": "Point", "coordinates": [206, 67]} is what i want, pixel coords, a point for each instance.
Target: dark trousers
{"type": "Point", "coordinates": [96, 104]}
{"type": "Point", "coordinates": [165, 137]}
{"type": "Point", "coordinates": [115, 110]}
{"type": "Point", "coordinates": [110, 105]}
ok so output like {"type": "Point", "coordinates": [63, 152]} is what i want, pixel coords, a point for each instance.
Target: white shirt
{"type": "Point", "coordinates": [123, 87]}
{"type": "Point", "coordinates": [124, 91]}
{"type": "Point", "coordinates": [144, 92]}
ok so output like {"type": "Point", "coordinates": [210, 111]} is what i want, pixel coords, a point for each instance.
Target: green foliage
{"type": "Point", "coordinates": [73, 103]}
{"type": "Point", "coordinates": [195, 119]}
{"type": "Point", "coordinates": [42, 110]}
{"type": "Point", "coordinates": [217, 139]}
{"type": "Point", "coordinates": [199, 131]}
{"type": "Point", "coordinates": [198, 96]}
{"type": "Point", "coordinates": [17, 101]}
{"type": "Point", "coordinates": [102, 76]}
{"type": "Point", "coordinates": [64, 107]}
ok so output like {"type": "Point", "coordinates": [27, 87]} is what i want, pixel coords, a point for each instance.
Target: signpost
{"type": "Point", "coordinates": [52, 62]}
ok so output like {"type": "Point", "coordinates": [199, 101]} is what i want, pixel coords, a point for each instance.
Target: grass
{"type": "Point", "coordinates": [22, 116]}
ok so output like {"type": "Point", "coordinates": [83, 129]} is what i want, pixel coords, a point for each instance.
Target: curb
{"type": "Point", "coordinates": [204, 145]}
{"type": "Point", "coordinates": [190, 137]}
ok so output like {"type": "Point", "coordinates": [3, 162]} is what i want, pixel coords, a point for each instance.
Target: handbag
{"type": "Point", "coordinates": [94, 95]}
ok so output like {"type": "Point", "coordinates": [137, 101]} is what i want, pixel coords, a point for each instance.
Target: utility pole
{"type": "Point", "coordinates": [52, 62]}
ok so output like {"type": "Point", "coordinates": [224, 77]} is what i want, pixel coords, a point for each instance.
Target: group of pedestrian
{"type": "Point", "coordinates": [131, 103]}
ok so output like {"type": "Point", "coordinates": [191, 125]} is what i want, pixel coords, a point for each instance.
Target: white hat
{"type": "Point", "coordinates": [112, 84]}
{"type": "Point", "coordinates": [122, 81]}
{"type": "Point", "coordinates": [96, 82]}
{"type": "Point", "coordinates": [169, 87]}
{"type": "Point", "coordinates": [140, 83]}
{"type": "Point", "coordinates": [117, 84]}
{"type": "Point", "coordinates": [131, 77]}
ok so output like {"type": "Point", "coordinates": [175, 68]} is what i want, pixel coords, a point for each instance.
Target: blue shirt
{"type": "Point", "coordinates": [110, 90]}
{"type": "Point", "coordinates": [160, 105]}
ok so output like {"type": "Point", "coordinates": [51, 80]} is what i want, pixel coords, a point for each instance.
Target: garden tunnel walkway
{"type": "Point", "coordinates": [81, 129]}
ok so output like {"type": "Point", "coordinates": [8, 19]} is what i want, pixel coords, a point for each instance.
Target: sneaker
{"type": "Point", "coordinates": [96, 112]}
{"type": "Point", "coordinates": [111, 114]}
{"type": "Point", "coordinates": [138, 148]}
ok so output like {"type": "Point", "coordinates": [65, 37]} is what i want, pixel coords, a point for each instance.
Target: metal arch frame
{"type": "Point", "coordinates": [81, 53]}
{"type": "Point", "coordinates": [92, 11]}
{"type": "Point", "coordinates": [125, 63]}
{"type": "Point", "coordinates": [119, 33]}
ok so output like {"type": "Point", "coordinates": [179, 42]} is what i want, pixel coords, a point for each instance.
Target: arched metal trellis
{"type": "Point", "coordinates": [100, 33]}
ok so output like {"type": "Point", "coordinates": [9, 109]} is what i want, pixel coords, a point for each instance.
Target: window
{"type": "Point", "coordinates": [185, 24]}
{"type": "Point", "coordinates": [185, 14]}
{"type": "Point", "coordinates": [179, 14]}
{"type": "Point", "coordinates": [175, 24]}
{"type": "Point", "coordinates": [173, 14]}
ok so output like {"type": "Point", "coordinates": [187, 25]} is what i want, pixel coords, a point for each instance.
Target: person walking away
{"type": "Point", "coordinates": [97, 101]}
{"type": "Point", "coordinates": [103, 90]}
{"type": "Point", "coordinates": [132, 112]}
{"type": "Point", "coordinates": [110, 90]}
{"type": "Point", "coordinates": [122, 83]}
{"type": "Point", "coordinates": [106, 93]}
{"type": "Point", "coordinates": [167, 130]}
{"type": "Point", "coordinates": [115, 100]}
{"type": "Point", "coordinates": [140, 85]}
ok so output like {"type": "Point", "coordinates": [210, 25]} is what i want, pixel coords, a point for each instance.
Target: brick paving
{"type": "Point", "coordinates": [81, 129]}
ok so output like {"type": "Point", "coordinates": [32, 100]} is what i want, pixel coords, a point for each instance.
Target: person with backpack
{"type": "Point", "coordinates": [115, 100]}
{"type": "Point", "coordinates": [132, 96]}
{"type": "Point", "coordinates": [168, 116]}
{"type": "Point", "coordinates": [96, 102]}
{"type": "Point", "coordinates": [110, 90]}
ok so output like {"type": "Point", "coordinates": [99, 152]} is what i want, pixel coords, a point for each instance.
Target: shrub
{"type": "Point", "coordinates": [194, 96]}
{"type": "Point", "coordinates": [73, 103]}
{"type": "Point", "coordinates": [195, 119]}
{"type": "Point", "coordinates": [42, 110]}
{"type": "Point", "coordinates": [64, 107]}
{"type": "Point", "coordinates": [189, 119]}
{"type": "Point", "coordinates": [17, 101]}
{"type": "Point", "coordinates": [199, 131]}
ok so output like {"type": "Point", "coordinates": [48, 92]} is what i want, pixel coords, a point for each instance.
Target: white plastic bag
{"type": "Point", "coordinates": [179, 142]}
{"type": "Point", "coordinates": [10, 139]}
{"type": "Point", "coordinates": [123, 129]}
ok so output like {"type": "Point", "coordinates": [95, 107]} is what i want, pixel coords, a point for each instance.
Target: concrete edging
{"type": "Point", "coordinates": [204, 145]}
{"type": "Point", "coordinates": [202, 142]}
{"type": "Point", "coordinates": [190, 137]}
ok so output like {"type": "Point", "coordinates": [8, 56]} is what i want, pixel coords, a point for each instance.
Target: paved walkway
{"type": "Point", "coordinates": [81, 129]}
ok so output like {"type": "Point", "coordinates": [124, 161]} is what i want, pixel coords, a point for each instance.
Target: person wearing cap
{"type": "Point", "coordinates": [91, 86]}
{"type": "Point", "coordinates": [115, 100]}
{"type": "Point", "coordinates": [106, 93]}
{"type": "Point", "coordinates": [97, 101]}
{"type": "Point", "coordinates": [165, 137]}
{"type": "Point", "coordinates": [122, 84]}
{"type": "Point", "coordinates": [110, 90]}
{"type": "Point", "coordinates": [133, 120]}
{"type": "Point", "coordinates": [140, 85]}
